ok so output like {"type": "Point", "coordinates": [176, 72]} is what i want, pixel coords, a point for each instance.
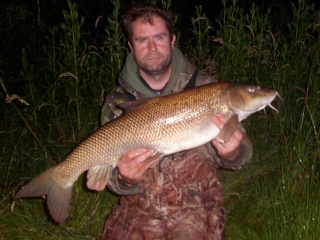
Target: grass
{"type": "Point", "coordinates": [275, 196]}
{"type": "Point", "coordinates": [278, 196]}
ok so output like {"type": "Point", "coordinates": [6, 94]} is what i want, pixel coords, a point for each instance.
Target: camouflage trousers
{"type": "Point", "coordinates": [181, 200]}
{"type": "Point", "coordinates": [185, 224]}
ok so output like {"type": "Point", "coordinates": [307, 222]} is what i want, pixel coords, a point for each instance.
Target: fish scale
{"type": "Point", "coordinates": [166, 124]}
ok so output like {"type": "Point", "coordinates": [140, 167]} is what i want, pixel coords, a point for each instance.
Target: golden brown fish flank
{"type": "Point", "coordinates": [167, 124]}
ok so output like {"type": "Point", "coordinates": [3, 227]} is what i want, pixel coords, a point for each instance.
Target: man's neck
{"type": "Point", "coordinates": [156, 81]}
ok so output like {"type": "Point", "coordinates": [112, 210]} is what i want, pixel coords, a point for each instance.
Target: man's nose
{"type": "Point", "coordinates": [152, 46]}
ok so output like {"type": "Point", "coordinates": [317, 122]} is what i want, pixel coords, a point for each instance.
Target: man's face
{"type": "Point", "coordinates": [152, 46]}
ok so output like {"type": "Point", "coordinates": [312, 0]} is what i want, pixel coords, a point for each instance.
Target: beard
{"type": "Point", "coordinates": [155, 68]}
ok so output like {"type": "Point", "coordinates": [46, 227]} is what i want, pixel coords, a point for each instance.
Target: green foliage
{"type": "Point", "coordinates": [244, 43]}
{"type": "Point", "coordinates": [64, 84]}
{"type": "Point", "coordinates": [115, 48]}
{"type": "Point", "coordinates": [201, 46]}
{"type": "Point", "coordinates": [59, 106]}
{"type": "Point", "coordinates": [279, 187]}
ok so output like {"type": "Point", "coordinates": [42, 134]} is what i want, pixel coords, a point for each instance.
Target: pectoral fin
{"type": "Point", "coordinates": [151, 162]}
{"type": "Point", "coordinates": [229, 128]}
{"type": "Point", "coordinates": [98, 177]}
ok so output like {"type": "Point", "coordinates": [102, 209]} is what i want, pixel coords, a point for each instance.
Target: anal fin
{"type": "Point", "coordinates": [98, 177]}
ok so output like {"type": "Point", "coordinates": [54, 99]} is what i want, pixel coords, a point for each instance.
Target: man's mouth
{"type": "Point", "coordinates": [153, 57]}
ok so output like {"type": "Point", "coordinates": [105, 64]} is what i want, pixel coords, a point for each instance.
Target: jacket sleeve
{"type": "Point", "coordinates": [110, 109]}
{"type": "Point", "coordinates": [119, 187]}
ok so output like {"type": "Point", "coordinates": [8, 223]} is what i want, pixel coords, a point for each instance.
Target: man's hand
{"type": "Point", "coordinates": [130, 165]}
{"type": "Point", "coordinates": [231, 149]}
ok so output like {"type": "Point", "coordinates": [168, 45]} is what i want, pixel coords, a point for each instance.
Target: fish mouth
{"type": "Point", "coordinates": [267, 102]}
{"type": "Point", "coordinates": [247, 109]}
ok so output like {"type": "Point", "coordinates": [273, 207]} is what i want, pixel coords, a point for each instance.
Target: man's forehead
{"type": "Point", "coordinates": [157, 26]}
{"type": "Point", "coordinates": [150, 20]}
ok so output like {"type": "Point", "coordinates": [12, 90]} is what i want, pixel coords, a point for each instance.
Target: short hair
{"type": "Point", "coordinates": [146, 12]}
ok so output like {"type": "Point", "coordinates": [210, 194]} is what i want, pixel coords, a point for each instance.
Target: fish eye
{"type": "Point", "coordinates": [251, 89]}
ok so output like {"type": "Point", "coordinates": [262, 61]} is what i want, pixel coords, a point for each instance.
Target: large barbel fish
{"type": "Point", "coordinates": [167, 124]}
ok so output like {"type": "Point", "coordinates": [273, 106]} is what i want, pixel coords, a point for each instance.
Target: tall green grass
{"type": "Point", "coordinates": [279, 195]}
{"type": "Point", "coordinates": [64, 90]}
{"type": "Point", "coordinates": [275, 196]}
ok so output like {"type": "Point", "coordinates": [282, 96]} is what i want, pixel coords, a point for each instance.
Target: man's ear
{"type": "Point", "coordinates": [173, 40]}
{"type": "Point", "coordinates": [130, 46]}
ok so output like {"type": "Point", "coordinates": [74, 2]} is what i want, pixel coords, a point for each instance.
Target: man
{"type": "Point", "coordinates": [180, 197]}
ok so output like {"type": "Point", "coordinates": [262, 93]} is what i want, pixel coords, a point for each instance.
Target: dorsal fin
{"type": "Point", "coordinates": [130, 105]}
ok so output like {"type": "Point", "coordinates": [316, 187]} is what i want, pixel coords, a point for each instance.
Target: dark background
{"type": "Point", "coordinates": [25, 23]}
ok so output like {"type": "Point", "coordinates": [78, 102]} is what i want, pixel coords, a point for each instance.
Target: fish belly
{"type": "Point", "coordinates": [190, 138]}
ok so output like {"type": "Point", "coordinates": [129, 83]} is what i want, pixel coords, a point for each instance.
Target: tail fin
{"type": "Point", "coordinates": [58, 198]}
